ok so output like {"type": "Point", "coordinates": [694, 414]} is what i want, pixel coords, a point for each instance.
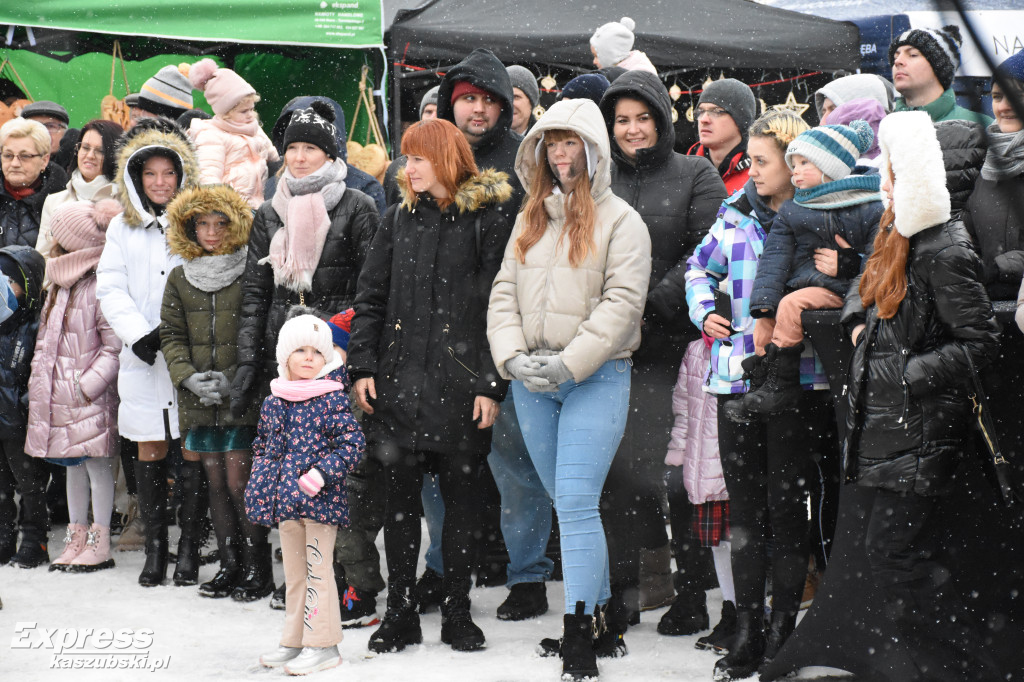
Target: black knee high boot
{"type": "Point", "coordinates": [258, 579]}
{"type": "Point", "coordinates": [151, 478]}
{"type": "Point", "coordinates": [190, 487]}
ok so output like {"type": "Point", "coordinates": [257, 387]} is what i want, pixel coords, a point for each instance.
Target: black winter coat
{"type": "Point", "coordinates": [421, 319]}
{"type": "Point", "coordinates": [963, 153]}
{"type": "Point", "coordinates": [908, 418]}
{"type": "Point", "coordinates": [788, 259]}
{"type": "Point", "coordinates": [18, 341]}
{"type": "Point", "coordinates": [19, 220]}
{"type": "Point", "coordinates": [994, 217]}
{"type": "Point", "coordinates": [265, 305]}
{"type": "Point", "coordinates": [677, 196]}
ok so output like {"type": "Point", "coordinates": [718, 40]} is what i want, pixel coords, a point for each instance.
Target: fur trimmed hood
{"type": "Point", "coordinates": [135, 147]}
{"type": "Point", "coordinates": [910, 147]}
{"type": "Point", "coordinates": [196, 201]}
{"type": "Point", "coordinates": [489, 187]}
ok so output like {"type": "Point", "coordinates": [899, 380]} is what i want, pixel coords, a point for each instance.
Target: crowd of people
{"type": "Point", "coordinates": [536, 319]}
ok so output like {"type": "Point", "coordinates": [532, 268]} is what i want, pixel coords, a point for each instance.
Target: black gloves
{"type": "Point", "coordinates": [245, 377]}
{"type": "Point", "coordinates": [146, 348]}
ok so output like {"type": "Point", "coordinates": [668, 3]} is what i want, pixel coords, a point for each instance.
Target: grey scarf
{"type": "Point", "coordinates": [1005, 157]}
{"type": "Point", "coordinates": [213, 273]}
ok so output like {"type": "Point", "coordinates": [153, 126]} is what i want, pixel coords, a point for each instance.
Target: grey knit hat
{"type": "Point", "coordinates": [524, 79]}
{"type": "Point", "coordinates": [46, 108]}
{"type": "Point", "coordinates": [429, 98]}
{"type": "Point", "coordinates": [168, 93]}
{"type": "Point", "coordinates": [736, 98]}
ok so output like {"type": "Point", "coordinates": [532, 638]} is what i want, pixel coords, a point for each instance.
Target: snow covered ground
{"type": "Point", "coordinates": [200, 639]}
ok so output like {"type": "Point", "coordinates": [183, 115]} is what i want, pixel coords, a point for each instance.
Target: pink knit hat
{"type": "Point", "coordinates": [83, 224]}
{"type": "Point", "coordinates": [223, 88]}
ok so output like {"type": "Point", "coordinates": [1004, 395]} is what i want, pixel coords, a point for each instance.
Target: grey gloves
{"type": "Point", "coordinates": [553, 369]}
{"type": "Point", "coordinates": [210, 387]}
{"type": "Point", "coordinates": [521, 366]}
{"type": "Point", "coordinates": [539, 373]}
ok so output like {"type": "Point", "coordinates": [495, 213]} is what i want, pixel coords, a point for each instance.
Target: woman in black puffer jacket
{"type": "Point", "coordinates": [919, 311]}
{"type": "Point", "coordinates": [307, 246]}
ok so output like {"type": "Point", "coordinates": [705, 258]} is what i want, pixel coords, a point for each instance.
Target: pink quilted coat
{"type": "Point", "coordinates": [694, 440]}
{"type": "Point", "coordinates": [73, 387]}
{"type": "Point", "coordinates": [231, 159]}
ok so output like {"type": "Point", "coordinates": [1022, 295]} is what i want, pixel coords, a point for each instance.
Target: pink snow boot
{"type": "Point", "coordinates": [96, 555]}
{"type": "Point", "coordinates": [74, 543]}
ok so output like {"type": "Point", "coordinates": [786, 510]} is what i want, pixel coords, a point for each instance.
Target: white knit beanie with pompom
{"type": "Point", "coordinates": [301, 331]}
{"type": "Point", "coordinates": [613, 41]}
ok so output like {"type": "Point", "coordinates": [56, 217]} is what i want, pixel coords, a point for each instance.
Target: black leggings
{"type": "Point", "coordinates": [459, 476]}
{"type": "Point", "coordinates": [767, 467]}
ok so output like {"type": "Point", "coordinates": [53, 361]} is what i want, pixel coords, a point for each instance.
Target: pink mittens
{"type": "Point", "coordinates": [311, 482]}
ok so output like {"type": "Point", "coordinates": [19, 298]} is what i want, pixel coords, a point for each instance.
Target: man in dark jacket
{"type": "Point", "coordinates": [23, 268]}
{"type": "Point", "coordinates": [724, 112]}
{"type": "Point", "coordinates": [356, 178]}
{"type": "Point", "coordinates": [678, 197]}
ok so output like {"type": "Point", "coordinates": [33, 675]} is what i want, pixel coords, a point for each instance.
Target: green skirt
{"type": "Point", "coordinates": [219, 438]}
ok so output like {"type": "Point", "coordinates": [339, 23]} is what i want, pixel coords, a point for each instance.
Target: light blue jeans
{"type": "Point", "coordinates": [572, 435]}
{"type": "Point", "coordinates": [433, 512]}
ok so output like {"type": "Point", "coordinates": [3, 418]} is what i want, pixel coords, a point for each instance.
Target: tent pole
{"type": "Point", "coordinates": [396, 111]}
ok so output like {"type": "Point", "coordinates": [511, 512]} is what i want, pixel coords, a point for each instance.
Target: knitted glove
{"type": "Point", "coordinates": [145, 349]}
{"type": "Point", "coordinates": [521, 367]}
{"type": "Point", "coordinates": [553, 369]}
{"type": "Point", "coordinates": [539, 385]}
{"type": "Point", "coordinates": [311, 482]}
{"type": "Point", "coordinates": [245, 377]}
{"type": "Point", "coordinates": [221, 388]}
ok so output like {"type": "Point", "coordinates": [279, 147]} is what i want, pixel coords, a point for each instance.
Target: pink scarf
{"type": "Point", "coordinates": [67, 269]}
{"type": "Point", "coordinates": [248, 129]}
{"type": "Point", "coordinates": [297, 391]}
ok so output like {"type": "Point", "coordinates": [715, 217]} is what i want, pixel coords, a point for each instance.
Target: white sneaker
{"type": "Point", "coordinates": [313, 659]}
{"type": "Point", "coordinates": [280, 656]}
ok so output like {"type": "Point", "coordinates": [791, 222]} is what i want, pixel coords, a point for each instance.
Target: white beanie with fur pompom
{"type": "Point", "coordinates": [613, 41]}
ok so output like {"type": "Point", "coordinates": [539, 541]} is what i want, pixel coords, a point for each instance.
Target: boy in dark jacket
{"type": "Point", "coordinates": [816, 247]}
{"type": "Point", "coordinates": [23, 268]}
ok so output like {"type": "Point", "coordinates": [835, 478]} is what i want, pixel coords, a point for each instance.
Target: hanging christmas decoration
{"type": "Point", "coordinates": [538, 111]}
{"type": "Point", "coordinates": [548, 82]}
{"type": "Point", "coordinates": [675, 115]}
{"type": "Point", "coordinates": [792, 105]}
{"type": "Point", "coordinates": [675, 92]}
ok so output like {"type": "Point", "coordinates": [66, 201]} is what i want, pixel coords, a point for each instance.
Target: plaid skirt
{"type": "Point", "coordinates": [711, 522]}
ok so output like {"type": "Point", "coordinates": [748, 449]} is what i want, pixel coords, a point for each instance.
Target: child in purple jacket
{"type": "Point", "coordinates": [307, 442]}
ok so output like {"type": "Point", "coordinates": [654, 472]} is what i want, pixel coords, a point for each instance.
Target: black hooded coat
{"type": "Point", "coordinates": [18, 339]}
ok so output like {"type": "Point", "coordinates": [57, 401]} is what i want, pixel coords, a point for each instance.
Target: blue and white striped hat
{"type": "Point", "coordinates": [833, 149]}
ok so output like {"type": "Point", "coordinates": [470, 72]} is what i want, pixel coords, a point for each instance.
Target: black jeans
{"type": "Point", "coordinates": [355, 549]}
{"type": "Point", "coordinates": [935, 626]}
{"type": "Point", "coordinates": [459, 479]}
{"type": "Point", "coordinates": [27, 475]}
{"type": "Point", "coordinates": [767, 467]}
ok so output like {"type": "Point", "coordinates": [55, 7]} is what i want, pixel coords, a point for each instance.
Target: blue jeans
{"type": "Point", "coordinates": [433, 512]}
{"type": "Point", "coordinates": [525, 505]}
{"type": "Point", "coordinates": [572, 435]}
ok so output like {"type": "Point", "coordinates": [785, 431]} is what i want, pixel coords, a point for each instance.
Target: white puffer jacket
{"type": "Point", "coordinates": [590, 313]}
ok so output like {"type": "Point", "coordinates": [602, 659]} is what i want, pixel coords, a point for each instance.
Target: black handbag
{"type": "Point", "coordinates": [995, 463]}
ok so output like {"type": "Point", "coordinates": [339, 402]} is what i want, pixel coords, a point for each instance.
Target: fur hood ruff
{"type": "Point", "coordinates": [909, 146]}
{"type": "Point", "coordinates": [136, 141]}
{"type": "Point", "coordinates": [197, 201]}
{"type": "Point", "coordinates": [489, 187]}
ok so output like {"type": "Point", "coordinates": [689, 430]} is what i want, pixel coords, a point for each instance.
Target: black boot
{"type": "Point", "coordinates": [688, 614]}
{"type": "Point", "coordinates": [34, 520]}
{"type": "Point", "coordinates": [152, 484]}
{"type": "Point", "coordinates": [258, 577]}
{"type": "Point", "coordinates": [747, 649]}
{"type": "Point", "coordinates": [429, 591]}
{"type": "Point", "coordinates": [720, 638]}
{"type": "Point", "coordinates": [779, 629]}
{"type": "Point", "coordinates": [579, 661]}
{"type": "Point", "coordinates": [229, 575]}
{"type": "Point", "coordinates": [755, 371]}
{"type": "Point", "coordinates": [525, 600]}
{"type": "Point", "coordinates": [612, 621]}
{"type": "Point", "coordinates": [189, 487]}
{"type": "Point", "coordinates": [781, 389]}
{"type": "Point", "coordinates": [457, 627]}
{"type": "Point", "coordinates": [401, 624]}
{"type": "Point", "coordinates": [277, 599]}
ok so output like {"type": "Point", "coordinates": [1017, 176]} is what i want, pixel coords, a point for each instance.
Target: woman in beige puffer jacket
{"type": "Point", "coordinates": [564, 318]}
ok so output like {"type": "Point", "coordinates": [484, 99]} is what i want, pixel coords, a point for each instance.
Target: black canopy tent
{"type": "Point", "coordinates": [675, 34]}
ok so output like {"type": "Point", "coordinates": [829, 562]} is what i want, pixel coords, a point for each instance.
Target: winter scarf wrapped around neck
{"type": "Point", "coordinates": [1005, 157]}
{"type": "Point", "coordinates": [248, 129]}
{"type": "Point", "coordinates": [849, 191]}
{"type": "Point", "coordinates": [87, 189]}
{"type": "Point", "coordinates": [67, 269]}
{"type": "Point", "coordinates": [213, 273]}
{"type": "Point", "coordinates": [304, 204]}
{"type": "Point", "coordinates": [306, 389]}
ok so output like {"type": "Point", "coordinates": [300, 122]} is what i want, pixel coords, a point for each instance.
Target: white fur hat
{"type": "Point", "coordinates": [910, 147]}
{"type": "Point", "coordinates": [300, 331]}
{"type": "Point", "coordinates": [613, 41]}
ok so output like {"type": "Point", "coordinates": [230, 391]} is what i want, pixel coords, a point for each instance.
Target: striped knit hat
{"type": "Point", "coordinates": [940, 46]}
{"type": "Point", "coordinates": [833, 149]}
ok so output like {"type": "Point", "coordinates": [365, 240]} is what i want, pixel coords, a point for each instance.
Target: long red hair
{"type": "Point", "coordinates": [884, 281]}
{"type": "Point", "coordinates": [579, 208]}
{"type": "Point", "coordinates": [445, 147]}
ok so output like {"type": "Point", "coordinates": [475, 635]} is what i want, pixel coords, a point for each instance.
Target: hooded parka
{"type": "Point", "coordinates": [199, 322]}
{"type": "Point", "coordinates": [677, 196]}
{"type": "Point", "coordinates": [18, 339]}
{"type": "Point", "coordinates": [590, 313]}
{"type": "Point", "coordinates": [420, 317]}
{"type": "Point", "coordinates": [131, 275]}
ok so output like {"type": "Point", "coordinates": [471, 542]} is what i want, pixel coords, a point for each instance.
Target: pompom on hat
{"type": "Point", "coordinates": [83, 224]}
{"type": "Point", "coordinates": [834, 149]}
{"type": "Point", "coordinates": [301, 331]}
{"type": "Point", "coordinates": [940, 46]}
{"type": "Point", "coordinates": [223, 88]}
{"type": "Point", "coordinates": [315, 125]}
{"type": "Point", "coordinates": [613, 41]}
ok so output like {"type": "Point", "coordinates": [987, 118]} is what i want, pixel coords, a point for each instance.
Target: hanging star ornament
{"type": "Point", "coordinates": [792, 105]}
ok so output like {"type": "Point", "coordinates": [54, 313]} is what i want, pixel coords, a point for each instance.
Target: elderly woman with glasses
{"type": "Point", "coordinates": [27, 178]}
{"type": "Point", "coordinates": [91, 175]}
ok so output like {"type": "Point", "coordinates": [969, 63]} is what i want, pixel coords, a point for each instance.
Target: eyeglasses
{"type": "Point", "coordinates": [55, 127]}
{"type": "Point", "coordinates": [22, 158]}
{"type": "Point", "coordinates": [87, 150]}
{"type": "Point", "coordinates": [713, 112]}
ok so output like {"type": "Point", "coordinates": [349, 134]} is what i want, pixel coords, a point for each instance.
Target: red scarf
{"type": "Point", "coordinates": [22, 192]}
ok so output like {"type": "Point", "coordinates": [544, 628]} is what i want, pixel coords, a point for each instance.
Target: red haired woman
{"type": "Point", "coordinates": [920, 314]}
{"type": "Point", "coordinates": [422, 368]}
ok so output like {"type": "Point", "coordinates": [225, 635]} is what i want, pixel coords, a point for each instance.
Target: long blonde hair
{"type": "Point", "coordinates": [579, 209]}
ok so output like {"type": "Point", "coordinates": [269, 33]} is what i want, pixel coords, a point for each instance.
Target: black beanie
{"type": "Point", "coordinates": [315, 125]}
{"type": "Point", "coordinates": [940, 46]}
